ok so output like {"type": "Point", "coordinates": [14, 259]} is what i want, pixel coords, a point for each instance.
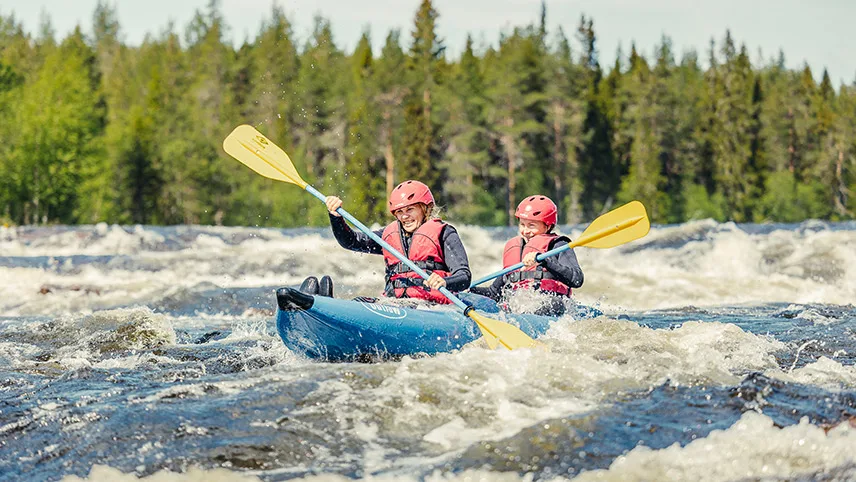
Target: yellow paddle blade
{"type": "Point", "coordinates": [492, 341]}
{"type": "Point", "coordinates": [257, 152]}
{"type": "Point", "coordinates": [497, 331]}
{"type": "Point", "coordinates": [619, 226]}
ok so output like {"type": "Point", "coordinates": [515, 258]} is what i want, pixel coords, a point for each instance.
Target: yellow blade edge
{"type": "Point", "coordinates": [254, 150]}
{"type": "Point", "coordinates": [509, 336]}
{"type": "Point", "coordinates": [619, 226]}
{"type": "Point", "coordinates": [492, 341]}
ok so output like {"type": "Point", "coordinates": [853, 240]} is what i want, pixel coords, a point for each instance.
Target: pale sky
{"type": "Point", "coordinates": [819, 32]}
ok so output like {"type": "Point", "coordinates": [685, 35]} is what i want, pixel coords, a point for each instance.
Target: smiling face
{"type": "Point", "coordinates": [529, 228]}
{"type": "Point", "coordinates": [411, 217]}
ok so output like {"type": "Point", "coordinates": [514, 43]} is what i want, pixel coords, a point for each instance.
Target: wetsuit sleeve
{"type": "Point", "coordinates": [353, 240]}
{"type": "Point", "coordinates": [494, 291]}
{"type": "Point", "coordinates": [456, 259]}
{"type": "Point", "coordinates": [564, 266]}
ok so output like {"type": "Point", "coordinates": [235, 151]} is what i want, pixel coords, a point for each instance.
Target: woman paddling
{"type": "Point", "coordinates": [419, 234]}
{"type": "Point", "coordinates": [554, 276]}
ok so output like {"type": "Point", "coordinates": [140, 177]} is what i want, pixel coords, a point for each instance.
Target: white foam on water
{"type": "Point", "coordinates": [90, 340]}
{"type": "Point", "coordinates": [825, 372]}
{"type": "Point", "coordinates": [452, 401]}
{"type": "Point", "coordinates": [101, 473]}
{"type": "Point", "coordinates": [699, 263]}
{"type": "Point", "coordinates": [816, 318]}
{"type": "Point", "coordinates": [147, 275]}
{"type": "Point", "coordinates": [133, 361]}
{"type": "Point", "coordinates": [641, 357]}
{"type": "Point", "coordinates": [750, 449]}
{"type": "Point", "coordinates": [12, 353]}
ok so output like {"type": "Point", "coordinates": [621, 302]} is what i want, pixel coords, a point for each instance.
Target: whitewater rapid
{"type": "Point", "coordinates": [699, 264]}
{"type": "Point", "coordinates": [725, 352]}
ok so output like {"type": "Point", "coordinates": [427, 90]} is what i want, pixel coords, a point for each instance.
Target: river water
{"type": "Point", "coordinates": [725, 352]}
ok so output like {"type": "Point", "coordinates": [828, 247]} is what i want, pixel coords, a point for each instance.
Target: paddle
{"type": "Point", "coordinates": [619, 226]}
{"type": "Point", "coordinates": [257, 152]}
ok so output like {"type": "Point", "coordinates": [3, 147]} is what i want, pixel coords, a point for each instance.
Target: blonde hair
{"type": "Point", "coordinates": [431, 211]}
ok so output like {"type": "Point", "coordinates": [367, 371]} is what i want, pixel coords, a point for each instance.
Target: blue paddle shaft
{"type": "Point", "coordinates": [368, 232]}
{"type": "Point", "coordinates": [511, 268]}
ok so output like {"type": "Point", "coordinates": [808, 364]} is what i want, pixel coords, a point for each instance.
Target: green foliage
{"type": "Point", "coordinates": [421, 142]}
{"type": "Point", "coordinates": [701, 205]}
{"type": "Point", "coordinates": [788, 201]}
{"type": "Point", "coordinates": [57, 122]}
{"type": "Point", "coordinates": [97, 130]}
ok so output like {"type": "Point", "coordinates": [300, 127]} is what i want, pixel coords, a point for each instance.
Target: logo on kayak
{"type": "Point", "coordinates": [385, 311]}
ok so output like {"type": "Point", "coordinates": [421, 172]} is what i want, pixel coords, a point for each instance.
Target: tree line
{"type": "Point", "coordinates": [96, 130]}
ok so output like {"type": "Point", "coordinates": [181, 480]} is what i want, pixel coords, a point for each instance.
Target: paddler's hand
{"type": "Point", "coordinates": [435, 281]}
{"type": "Point", "coordinates": [529, 259]}
{"type": "Point", "coordinates": [333, 203]}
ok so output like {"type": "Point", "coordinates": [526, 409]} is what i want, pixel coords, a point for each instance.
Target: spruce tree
{"type": "Point", "coordinates": [391, 90]}
{"type": "Point", "coordinates": [365, 166]}
{"type": "Point", "coordinates": [467, 160]}
{"type": "Point", "coordinates": [321, 122]}
{"type": "Point", "coordinates": [421, 144]}
{"type": "Point", "coordinates": [600, 171]}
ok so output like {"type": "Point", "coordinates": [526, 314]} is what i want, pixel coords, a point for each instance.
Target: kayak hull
{"type": "Point", "coordinates": [339, 330]}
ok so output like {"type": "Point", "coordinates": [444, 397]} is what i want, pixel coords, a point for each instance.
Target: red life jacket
{"type": "Point", "coordinates": [425, 251]}
{"type": "Point", "coordinates": [538, 275]}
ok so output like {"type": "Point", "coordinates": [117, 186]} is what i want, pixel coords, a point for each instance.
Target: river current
{"type": "Point", "coordinates": [724, 352]}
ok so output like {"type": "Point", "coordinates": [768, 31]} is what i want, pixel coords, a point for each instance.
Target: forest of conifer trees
{"type": "Point", "coordinates": [96, 130]}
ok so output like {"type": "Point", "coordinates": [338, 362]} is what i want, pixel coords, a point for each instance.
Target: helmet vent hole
{"type": "Point", "coordinates": [536, 213]}
{"type": "Point", "coordinates": [410, 196]}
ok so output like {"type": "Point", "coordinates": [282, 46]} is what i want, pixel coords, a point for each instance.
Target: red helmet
{"type": "Point", "coordinates": [538, 208]}
{"type": "Point", "coordinates": [407, 193]}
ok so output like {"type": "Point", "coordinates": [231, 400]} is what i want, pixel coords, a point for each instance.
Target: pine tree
{"type": "Point", "coordinates": [846, 157]}
{"type": "Point", "coordinates": [265, 90]}
{"type": "Point", "coordinates": [391, 90]}
{"type": "Point", "coordinates": [516, 113]}
{"type": "Point", "coordinates": [321, 125]}
{"type": "Point", "coordinates": [600, 171]}
{"type": "Point", "coordinates": [801, 142]}
{"type": "Point", "coordinates": [776, 114]}
{"type": "Point", "coordinates": [831, 140]}
{"type": "Point", "coordinates": [565, 114]}
{"type": "Point", "coordinates": [120, 90]}
{"type": "Point", "coordinates": [365, 168]}
{"type": "Point", "coordinates": [268, 92]}
{"type": "Point", "coordinates": [643, 124]}
{"type": "Point", "coordinates": [421, 142]}
{"type": "Point", "coordinates": [467, 160]}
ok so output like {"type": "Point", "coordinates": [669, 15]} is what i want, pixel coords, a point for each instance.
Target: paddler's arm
{"type": "Point", "coordinates": [347, 237]}
{"type": "Point", "coordinates": [456, 259]}
{"type": "Point", "coordinates": [494, 291]}
{"type": "Point", "coordinates": [565, 266]}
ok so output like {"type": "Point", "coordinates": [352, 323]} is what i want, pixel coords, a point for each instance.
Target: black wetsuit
{"type": "Point", "coordinates": [454, 254]}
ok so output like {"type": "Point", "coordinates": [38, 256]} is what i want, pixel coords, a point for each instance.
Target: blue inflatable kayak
{"type": "Point", "coordinates": [338, 329]}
